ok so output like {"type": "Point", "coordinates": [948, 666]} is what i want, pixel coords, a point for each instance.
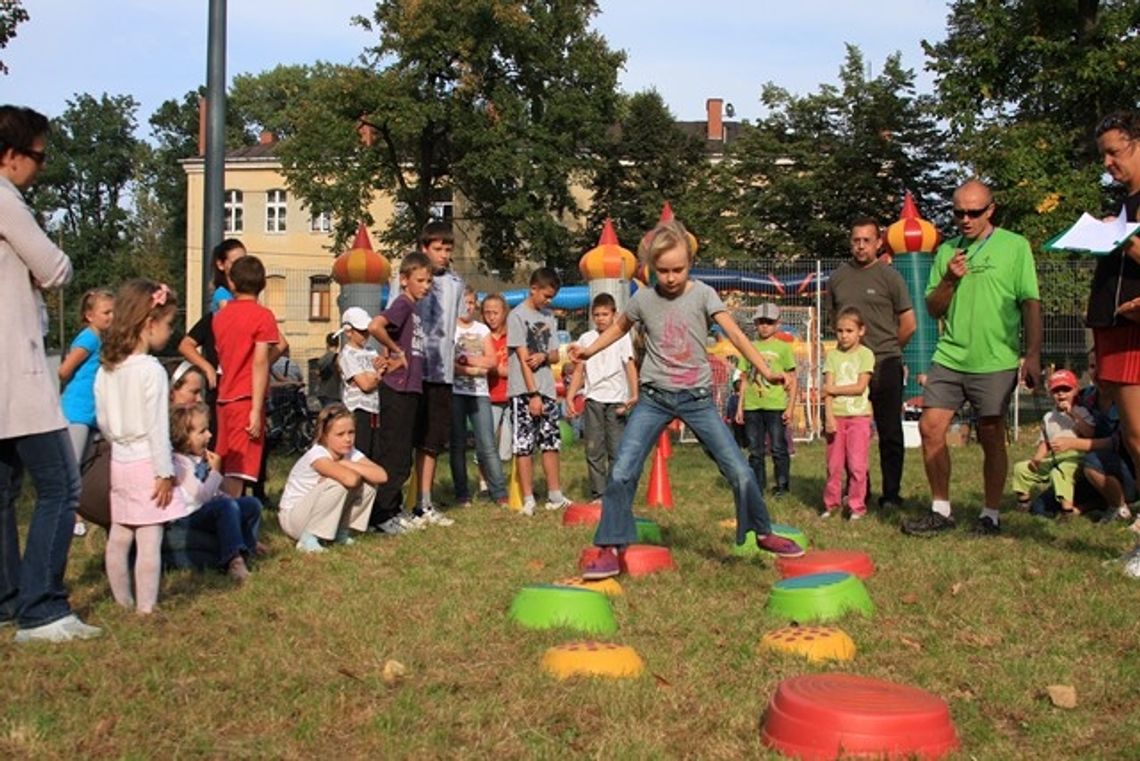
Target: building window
{"type": "Point", "coordinates": [234, 223]}
{"type": "Point", "coordinates": [320, 298]}
{"type": "Point", "coordinates": [275, 201]}
{"type": "Point", "coordinates": [275, 296]}
{"type": "Point", "coordinates": [320, 222]}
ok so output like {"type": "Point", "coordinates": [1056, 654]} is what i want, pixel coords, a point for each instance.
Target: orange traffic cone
{"type": "Point", "coordinates": [665, 443]}
{"type": "Point", "coordinates": [514, 489]}
{"type": "Point", "coordinates": [660, 493]}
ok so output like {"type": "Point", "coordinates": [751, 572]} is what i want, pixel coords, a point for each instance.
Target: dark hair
{"type": "Point", "coordinates": [603, 300]}
{"type": "Point", "coordinates": [440, 231]}
{"type": "Point", "coordinates": [136, 302]}
{"type": "Point", "coordinates": [850, 313]}
{"type": "Point", "coordinates": [327, 417]}
{"type": "Point", "coordinates": [864, 221]}
{"type": "Point", "coordinates": [545, 277]}
{"type": "Point", "coordinates": [180, 421]}
{"type": "Point", "coordinates": [414, 260]}
{"type": "Point", "coordinates": [1125, 121]}
{"type": "Point", "coordinates": [220, 254]}
{"type": "Point", "coordinates": [248, 276]}
{"type": "Point", "coordinates": [88, 300]}
{"type": "Point", "coordinates": [19, 128]}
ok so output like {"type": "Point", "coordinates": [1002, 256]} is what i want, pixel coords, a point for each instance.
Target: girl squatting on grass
{"type": "Point", "coordinates": [132, 408]}
{"type": "Point", "coordinates": [847, 415]}
{"type": "Point", "coordinates": [331, 488]}
{"type": "Point", "coordinates": [77, 371]}
{"type": "Point", "coordinates": [675, 383]}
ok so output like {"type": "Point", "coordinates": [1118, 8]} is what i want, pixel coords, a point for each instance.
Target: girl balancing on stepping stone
{"type": "Point", "coordinates": [676, 382]}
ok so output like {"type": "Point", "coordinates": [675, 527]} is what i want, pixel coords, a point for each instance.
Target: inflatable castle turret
{"type": "Point", "coordinates": [608, 267]}
{"type": "Point", "coordinates": [363, 276]}
{"type": "Point", "coordinates": [912, 240]}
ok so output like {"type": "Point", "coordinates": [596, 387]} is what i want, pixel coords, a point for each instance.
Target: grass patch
{"type": "Point", "coordinates": [291, 666]}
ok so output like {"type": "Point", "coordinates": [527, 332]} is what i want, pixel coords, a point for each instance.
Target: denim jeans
{"type": "Point", "coordinates": [655, 409]}
{"type": "Point", "coordinates": [31, 588]}
{"type": "Point", "coordinates": [235, 523]}
{"type": "Point", "coordinates": [477, 409]}
{"type": "Point", "coordinates": [759, 426]}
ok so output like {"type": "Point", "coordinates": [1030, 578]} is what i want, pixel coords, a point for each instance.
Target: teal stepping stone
{"type": "Point", "coordinates": [819, 597]}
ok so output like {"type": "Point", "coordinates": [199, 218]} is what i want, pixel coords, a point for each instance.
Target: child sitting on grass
{"type": "Point", "coordinates": [331, 488]}
{"type": "Point", "coordinates": [235, 522]}
{"type": "Point", "coordinates": [676, 382]}
{"type": "Point", "coordinates": [1067, 420]}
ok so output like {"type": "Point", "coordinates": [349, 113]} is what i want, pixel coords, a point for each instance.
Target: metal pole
{"type": "Point", "coordinates": [215, 143]}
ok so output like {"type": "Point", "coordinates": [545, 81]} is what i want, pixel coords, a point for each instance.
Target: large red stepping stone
{"type": "Point", "coordinates": [582, 514]}
{"type": "Point", "coordinates": [830, 716]}
{"type": "Point", "coordinates": [637, 560]}
{"type": "Point", "coordinates": [853, 562]}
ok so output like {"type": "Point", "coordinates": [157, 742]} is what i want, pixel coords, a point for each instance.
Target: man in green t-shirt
{"type": "Point", "coordinates": [765, 409]}
{"type": "Point", "coordinates": [983, 286]}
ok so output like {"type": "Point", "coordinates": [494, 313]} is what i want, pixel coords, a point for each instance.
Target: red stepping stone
{"type": "Point", "coordinates": [829, 716]}
{"type": "Point", "coordinates": [582, 514]}
{"type": "Point", "coordinates": [853, 562]}
{"type": "Point", "coordinates": [637, 560]}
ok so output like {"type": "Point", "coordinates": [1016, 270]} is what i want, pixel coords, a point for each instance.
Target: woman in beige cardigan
{"type": "Point", "coordinates": [33, 432]}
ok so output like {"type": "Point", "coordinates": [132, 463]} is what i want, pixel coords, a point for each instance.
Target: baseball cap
{"type": "Point", "coordinates": [1062, 379]}
{"type": "Point", "coordinates": [354, 317]}
{"type": "Point", "coordinates": [766, 311]}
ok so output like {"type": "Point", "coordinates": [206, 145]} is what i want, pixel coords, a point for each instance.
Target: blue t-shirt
{"type": "Point", "coordinates": [78, 397]}
{"type": "Point", "coordinates": [221, 295]}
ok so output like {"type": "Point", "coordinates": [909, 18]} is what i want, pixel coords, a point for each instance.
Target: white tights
{"type": "Point", "coordinates": [148, 565]}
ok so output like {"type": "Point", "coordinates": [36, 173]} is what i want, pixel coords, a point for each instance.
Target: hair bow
{"type": "Point", "coordinates": [158, 298]}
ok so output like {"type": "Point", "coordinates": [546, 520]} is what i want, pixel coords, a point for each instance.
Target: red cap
{"type": "Point", "coordinates": [1062, 379]}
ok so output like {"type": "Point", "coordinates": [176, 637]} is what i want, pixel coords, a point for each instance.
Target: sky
{"type": "Point", "coordinates": [155, 50]}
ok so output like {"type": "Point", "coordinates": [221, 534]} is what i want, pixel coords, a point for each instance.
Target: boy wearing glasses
{"type": "Point", "coordinates": [765, 409]}
{"type": "Point", "coordinates": [983, 286]}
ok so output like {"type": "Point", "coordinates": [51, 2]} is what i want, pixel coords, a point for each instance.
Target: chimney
{"type": "Point", "coordinates": [715, 107]}
{"type": "Point", "coordinates": [266, 138]}
{"type": "Point", "coordinates": [201, 126]}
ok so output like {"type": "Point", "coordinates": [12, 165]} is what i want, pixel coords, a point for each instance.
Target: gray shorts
{"type": "Point", "coordinates": [987, 393]}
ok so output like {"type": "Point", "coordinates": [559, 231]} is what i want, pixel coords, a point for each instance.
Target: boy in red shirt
{"type": "Point", "coordinates": [247, 342]}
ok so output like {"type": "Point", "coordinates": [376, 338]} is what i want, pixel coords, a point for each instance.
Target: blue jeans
{"type": "Point", "coordinates": [655, 409]}
{"type": "Point", "coordinates": [235, 523]}
{"type": "Point", "coordinates": [31, 588]}
{"type": "Point", "coordinates": [477, 409]}
{"type": "Point", "coordinates": [759, 426]}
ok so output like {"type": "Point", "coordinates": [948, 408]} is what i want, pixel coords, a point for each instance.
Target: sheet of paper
{"type": "Point", "coordinates": [1094, 235]}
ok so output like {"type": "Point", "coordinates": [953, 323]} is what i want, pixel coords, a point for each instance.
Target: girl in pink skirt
{"type": "Point", "coordinates": [132, 408]}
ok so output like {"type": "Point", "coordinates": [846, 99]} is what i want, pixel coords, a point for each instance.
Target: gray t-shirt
{"type": "Point", "coordinates": [538, 332]}
{"type": "Point", "coordinates": [676, 331]}
{"type": "Point", "coordinates": [880, 295]}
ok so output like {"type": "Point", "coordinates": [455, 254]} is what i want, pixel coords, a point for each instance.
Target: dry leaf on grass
{"type": "Point", "coordinates": [345, 672]}
{"type": "Point", "coordinates": [662, 681]}
{"type": "Point", "coordinates": [910, 598]}
{"type": "Point", "coordinates": [535, 565]}
{"type": "Point", "coordinates": [912, 644]}
{"type": "Point", "coordinates": [393, 673]}
{"type": "Point", "coordinates": [955, 588]}
{"type": "Point", "coordinates": [1062, 695]}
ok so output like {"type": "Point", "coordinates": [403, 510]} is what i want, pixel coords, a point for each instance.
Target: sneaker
{"type": "Point", "coordinates": [890, 503]}
{"type": "Point", "coordinates": [412, 522]}
{"type": "Point", "coordinates": [985, 526]}
{"type": "Point", "coordinates": [779, 491]}
{"type": "Point", "coordinates": [528, 508]}
{"type": "Point", "coordinates": [1131, 565]}
{"type": "Point", "coordinates": [309, 543]}
{"type": "Point", "coordinates": [857, 515]}
{"type": "Point", "coordinates": [928, 525]}
{"type": "Point", "coordinates": [394, 526]}
{"type": "Point", "coordinates": [1123, 513]}
{"type": "Point", "coordinates": [80, 529]}
{"type": "Point", "coordinates": [342, 537]}
{"type": "Point", "coordinates": [557, 505]}
{"type": "Point", "coordinates": [604, 566]}
{"type": "Point", "coordinates": [62, 630]}
{"type": "Point", "coordinates": [434, 517]}
{"type": "Point", "coordinates": [779, 546]}
{"type": "Point", "coordinates": [828, 512]}
{"type": "Point", "coordinates": [504, 502]}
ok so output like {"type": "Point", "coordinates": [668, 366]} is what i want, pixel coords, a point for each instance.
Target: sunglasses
{"type": "Point", "coordinates": [971, 213]}
{"type": "Point", "coordinates": [37, 156]}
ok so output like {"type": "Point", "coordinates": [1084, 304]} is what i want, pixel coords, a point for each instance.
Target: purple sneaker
{"type": "Point", "coordinates": [604, 566]}
{"type": "Point", "coordinates": [779, 546]}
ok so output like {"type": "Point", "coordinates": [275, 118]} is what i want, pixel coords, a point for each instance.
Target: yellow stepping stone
{"type": "Point", "coordinates": [816, 643]}
{"type": "Point", "coordinates": [592, 659]}
{"type": "Point", "coordinates": [608, 587]}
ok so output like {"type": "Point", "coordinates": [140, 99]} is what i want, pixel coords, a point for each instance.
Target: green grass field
{"type": "Point", "coordinates": [291, 665]}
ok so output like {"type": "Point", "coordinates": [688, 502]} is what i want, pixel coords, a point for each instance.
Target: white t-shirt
{"type": "Point", "coordinates": [606, 380]}
{"type": "Point", "coordinates": [353, 361]}
{"type": "Point", "coordinates": [303, 478]}
{"type": "Point", "coordinates": [469, 342]}
{"type": "Point", "coordinates": [1063, 425]}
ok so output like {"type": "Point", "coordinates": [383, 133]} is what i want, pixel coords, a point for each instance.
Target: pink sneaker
{"type": "Point", "coordinates": [604, 566]}
{"type": "Point", "coordinates": [779, 546]}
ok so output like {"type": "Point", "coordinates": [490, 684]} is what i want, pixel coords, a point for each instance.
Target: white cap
{"type": "Point", "coordinates": [354, 317]}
